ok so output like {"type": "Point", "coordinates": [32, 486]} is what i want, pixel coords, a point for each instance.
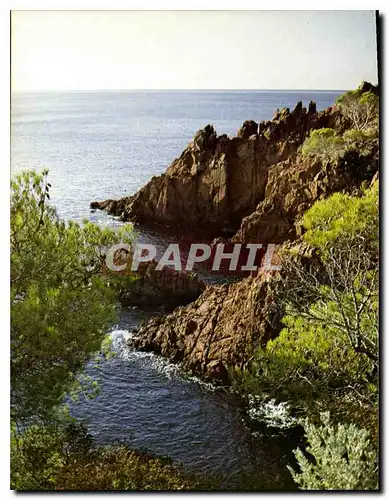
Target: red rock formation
{"type": "Point", "coordinates": [258, 185]}
{"type": "Point", "coordinates": [217, 331]}
{"type": "Point", "coordinates": [217, 180]}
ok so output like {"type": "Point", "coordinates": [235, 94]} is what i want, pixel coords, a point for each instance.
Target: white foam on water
{"type": "Point", "coordinates": [171, 370]}
{"type": "Point", "coordinates": [119, 340]}
{"type": "Point", "coordinates": [271, 413]}
{"type": "Point", "coordinates": [160, 364]}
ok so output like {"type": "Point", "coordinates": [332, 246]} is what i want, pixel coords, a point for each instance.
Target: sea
{"type": "Point", "coordinates": [108, 144]}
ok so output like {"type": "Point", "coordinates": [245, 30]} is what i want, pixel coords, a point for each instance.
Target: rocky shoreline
{"type": "Point", "coordinates": [255, 186]}
{"type": "Point", "coordinates": [218, 181]}
{"type": "Point", "coordinates": [216, 331]}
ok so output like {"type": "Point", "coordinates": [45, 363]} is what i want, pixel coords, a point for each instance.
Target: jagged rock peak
{"type": "Point", "coordinates": [249, 128]}
{"type": "Point", "coordinates": [205, 138]}
{"type": "Point", "coordinates": [298, 108]}
{"type": "Point", "coordinates": [369, 87]}
{"type": "Point", "coordinates": [312, 108]}
{"type": "Point", "coordinates": [280, 115]}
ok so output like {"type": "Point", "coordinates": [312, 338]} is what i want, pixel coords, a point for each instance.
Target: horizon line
{"type": "Point", "coordinates": [175, 90]}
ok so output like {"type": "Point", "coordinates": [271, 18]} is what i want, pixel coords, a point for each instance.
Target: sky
{"type": "Point", "coordinates": [95, 50]}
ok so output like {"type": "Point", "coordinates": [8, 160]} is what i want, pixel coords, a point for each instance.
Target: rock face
{"type": "Point", "coordinates": [294, 185]}
{"type": "Point", "coordinates": [161, 287]}
{"type": "Point", "coordinates": [217, 181]}
{"type": "Point", "coordinates": [217, 331]}
{"type": "Point", "coordinates": [222, 328]}
{"type": "Point", "coordinates": [257, 185]}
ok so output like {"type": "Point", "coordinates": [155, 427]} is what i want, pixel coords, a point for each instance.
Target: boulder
{"type": "Point", "coordinates": [248, 129]}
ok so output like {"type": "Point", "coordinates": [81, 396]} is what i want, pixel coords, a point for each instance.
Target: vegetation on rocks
{"type": "Point", "coordinates": [64, 458]}
{"type": "Point", "coordinates": [323, 143]}
{"type": "Point", "coordinates": [360, 107]}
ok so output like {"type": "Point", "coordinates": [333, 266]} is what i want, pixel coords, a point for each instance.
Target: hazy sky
{"type": "Point", "coordinates": [192, 50]}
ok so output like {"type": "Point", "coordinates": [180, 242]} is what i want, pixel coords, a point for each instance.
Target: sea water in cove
{"type": "Point", "coordinates": [100, 145]}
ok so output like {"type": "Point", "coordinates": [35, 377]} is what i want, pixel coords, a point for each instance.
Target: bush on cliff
{"type": "Point", "coordinates": [324, 144]}
{"type": "Point", "coordinates": [360, 141]}
{"type": "Point", "coordinates": [355, 148]}
{"type": "Point", "coordinates": [358, 145]}
{"type": "Point", "coordinates": [340, 457]}
{"type": "Point", "coordinates": [360, 108]}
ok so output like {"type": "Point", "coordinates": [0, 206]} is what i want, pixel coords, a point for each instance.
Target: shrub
{"type": "Point", "coordinates": [65, 458]}
{"type": "Point", "coordinates": [344, 458]}
{"type": "Point", "coordinates": [361, 108]}
{"type": "Point", "coordinates": [342, 219]}
{"type": "Point", "coordinates": [324, 144]}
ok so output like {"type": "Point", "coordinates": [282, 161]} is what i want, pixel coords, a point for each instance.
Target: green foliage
{"type": "Point", "coordinates": [307, 358]}
{"type": "Point", "coordinates": [342, 219]}
{"type": "Point", "coordinates": [61, 302]}
{"type": "Point", "coordinates": [345, 232]}
{"type": "Point", "coordinates": [38, 453]}
{"type": "Point", "coordinates": [324, 144]}
{"type": "Point", "coordinates": [344, 458]}
{"type": "Point", "coordinates": [315, 367]}
{"type": "Point", "coordinates": [358, 144]}
{"type": "Point", "coordinates": [361, 141]}
{"type": "Point", "coordinates": [65, 458]}
{"type": "Point", "coordinates": [361, 108]}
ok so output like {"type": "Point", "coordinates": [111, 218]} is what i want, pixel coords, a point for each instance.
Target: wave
{"type": "Point", "coordinates": [119, 339]}
{"type": "Point", "coordinates": [271, 413]}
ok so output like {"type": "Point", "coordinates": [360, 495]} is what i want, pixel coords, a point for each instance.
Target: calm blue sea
{"type": "Point", "coordinates": [100, 145]}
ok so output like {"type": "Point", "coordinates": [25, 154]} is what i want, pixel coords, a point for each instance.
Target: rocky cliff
{"type": "Point", "coordinates": [217, 331]}
{"type": "Point", "coordinates": [217, 181]}
{"type": "Point", "coordinates": [222, 329]}
{"type": "Point", "coordinates": [256, 185]}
